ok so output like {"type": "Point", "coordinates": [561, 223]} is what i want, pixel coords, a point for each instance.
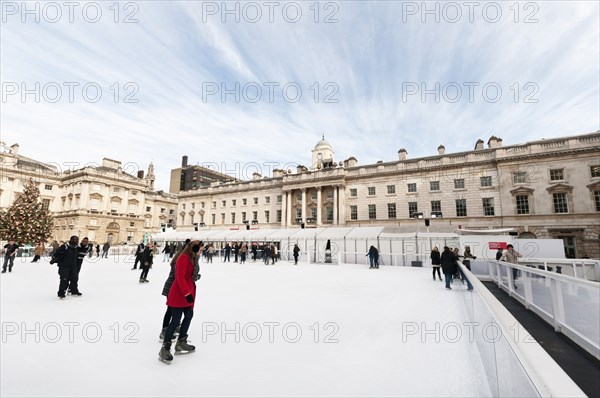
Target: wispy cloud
{"type": "Point", "coordinates": [363, 64]}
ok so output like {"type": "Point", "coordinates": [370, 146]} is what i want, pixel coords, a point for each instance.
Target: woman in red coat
{"type": "Point", "coordinates": [181, 302]}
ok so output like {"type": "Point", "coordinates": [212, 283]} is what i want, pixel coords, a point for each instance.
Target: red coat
{"type": "Point", "coordinates": [183, 284]}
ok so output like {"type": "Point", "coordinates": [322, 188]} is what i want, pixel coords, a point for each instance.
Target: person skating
{"type": "Point", "coordinates": [227, 253]}
{"type": "Point", "coordinates": [448, 264]}
{"type": "Point", "coordinates": [146, 259]}
{"type": "Point", "coordinates": [236, 252]}
{"type": "Point", "coordinates": [243, 252]}
{"type": "Point", "coordinates": [373, 257]}
{"type": "Point", "coordinates": [296, 253]}
{"type": "Point", "coordinates": [10, 251]}
{"type": "Point", "coordinates": [66, 259]}
{"type": "Point", "coordinates": [267, 254]}
{"type": "Point", "coordinates": [82, 251]}
{"type": "Point", "coordinates": [436, 262]}
{"type": "Point", "coordinates": [181, 300]}
{"type": "Point", "coordinates": [105, 248]}
{"type": "Point", "coordinates": [166, 252]}
{"type": "Point", "coordinates": [97, 250]}
{"type": "Point", "coordinates": [39, 252]}
{"type": "Point", "coordinates": [138, 255]}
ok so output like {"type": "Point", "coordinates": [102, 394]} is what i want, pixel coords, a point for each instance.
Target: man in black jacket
{"type": "Point", "coordinates": [82, 250]}
{"type": "Point", "coordinates": [138, 255]}
{"type": "Point", "coordinates": [66, 256]}
{"type": "Point", "coordinates": [10, 251]}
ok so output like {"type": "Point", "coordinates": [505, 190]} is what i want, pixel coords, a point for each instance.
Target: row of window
{"type": "Point", "coordinates": [559, 200]}
{"type": "Point", "coordinates": [486, 181]}
{"type": "Point", "coordinates": [560, 203]}
{"type": "Point", "coordinates": [434, 186]}
{"type": "Point", "coordinates": [233, 202]}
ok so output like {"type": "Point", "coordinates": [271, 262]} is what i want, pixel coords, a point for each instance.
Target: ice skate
{"type": "Point", "coordinates": [164, 354]}
{"type": "Point", "coordinates": [182, 346]}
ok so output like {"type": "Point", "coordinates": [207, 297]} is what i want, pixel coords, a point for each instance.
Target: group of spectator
{"type": "Point", "coordinates": [448, 262]}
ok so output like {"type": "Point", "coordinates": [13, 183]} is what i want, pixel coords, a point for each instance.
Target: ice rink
{"type": "Point", "coordinates": [306, 330]}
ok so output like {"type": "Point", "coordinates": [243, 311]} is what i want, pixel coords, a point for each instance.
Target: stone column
{"type": "Point", "coordinates": [304, 205]}
{"type": "Point", "coordinates": [335, 205]}
{"type": "Point", "coordinates": [284, 208]}
{"type": "Point", "coordinates": [342, 209]}
{"type": "Point", "coordinates": [290, 194]}
{"type": "Point", "coordinates": [319, 207]}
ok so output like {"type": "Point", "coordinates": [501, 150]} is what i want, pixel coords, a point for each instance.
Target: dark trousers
{"type": "Point", "coordinates": [438, 272]}
{"type": "Point", "coordinates": [144, 269]}
{"type": "Point", "coordinates": [295, 259]}
{"type": "Point", "coordinates": [8, 260]}
{"type": "Point", "coordinates": [69, 277]}
{"type": "Point", "coordinates": [70, 289]}
{"type": "Point", "coordinates": [226, 258]}
{"type": "Point", "coordinates": [35, 258]}
{"type": "Point", "coordinates": [177, 313]}
{"type": "Point", "coordinates": [138, 258]}
{"type": "Point", "coordinates": [235, 257]}
{"type": "Point", "coordinates": [167, 317]}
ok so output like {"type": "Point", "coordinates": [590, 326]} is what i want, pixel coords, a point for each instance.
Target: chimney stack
{"type": "Point", "coordinates": [14, 149]}
{"type": "Point", "coordinates": [493, 142]}
{"type": "Point", "coordinates": [402, 154]}
{"type": "Point", "coordinates": [350, 162]}
{"type": "Point", "coordinates": [140, 174]}
{"type": "Point", "coordinates": [479, 145]}
{"type": "Point", "coordinates": [441, 150]}
{"type": "Point", "coordinates": [184, 161]}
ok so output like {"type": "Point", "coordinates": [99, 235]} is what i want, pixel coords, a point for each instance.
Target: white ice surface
{"type": "Point", "coordinates": [368, 306]}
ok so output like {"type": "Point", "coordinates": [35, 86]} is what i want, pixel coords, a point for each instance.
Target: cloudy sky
{"type": "Point", "coordinates": [242, 84]}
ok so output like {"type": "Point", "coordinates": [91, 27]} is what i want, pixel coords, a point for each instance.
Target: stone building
{"type": "Point", "coordinates": [188, 177]}
{"type": "Point", "coordinates": [103, 202]}
{"type": "Point", "coordinates": [545, 189]}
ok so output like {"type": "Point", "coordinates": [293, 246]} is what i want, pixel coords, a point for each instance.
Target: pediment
{"type": "Point", "coordinates": [521, 191]}
{"type": "Point", "coordinates": [560, 187]}
{"type": "Point", "coordinates": [595, 186]}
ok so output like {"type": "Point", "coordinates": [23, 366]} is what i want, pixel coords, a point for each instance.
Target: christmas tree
{"type": "Point", "coordinates": [26, 220]}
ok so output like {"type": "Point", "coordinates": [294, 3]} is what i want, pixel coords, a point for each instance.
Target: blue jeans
{"type": "Point", "coordinates": [448, 278]}
{"type": "Point", "coordinates": [464, 278]}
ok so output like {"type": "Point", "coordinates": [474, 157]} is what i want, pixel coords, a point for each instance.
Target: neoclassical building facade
{"type": "Point", "coordinates": [101, 201]}
{"type": "Point", "coordinates": [546, 189]}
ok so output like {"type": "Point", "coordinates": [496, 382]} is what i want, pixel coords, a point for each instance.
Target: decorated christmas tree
{"type": "Point", "coordinates": [26, 220]}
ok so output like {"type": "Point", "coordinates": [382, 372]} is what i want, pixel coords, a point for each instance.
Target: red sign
{"type": "Point", "coordinates": [497, 245]}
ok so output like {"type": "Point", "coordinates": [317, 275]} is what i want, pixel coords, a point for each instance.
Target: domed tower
{"type": "Point", "coordinates": [322, 155]}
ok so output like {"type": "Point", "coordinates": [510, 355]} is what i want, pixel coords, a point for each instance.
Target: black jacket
{"type": "Point", "coordinates": [81, 253]}
{"type": "Point", "coordinates": [67, 255]}
{"type": "Point", "coordinates": [448, 262]}
{"type": "Point", "coordinates": [435, 258]}
{"type": "Point", "coordinates": [146, 257]}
